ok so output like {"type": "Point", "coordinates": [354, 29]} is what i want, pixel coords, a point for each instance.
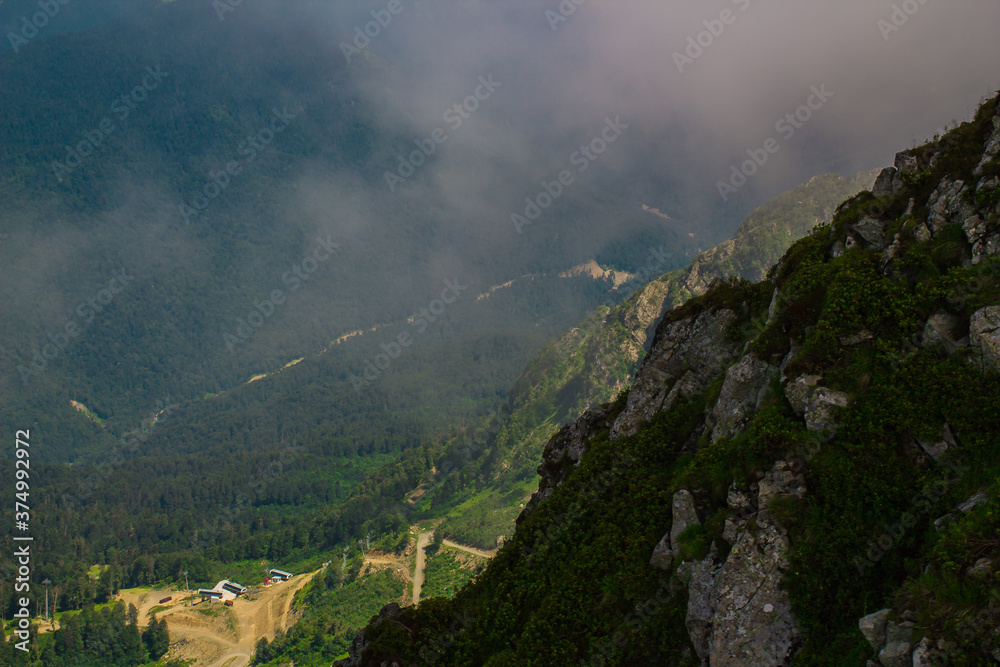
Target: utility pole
{"type": "Point", "coordinates": [47, 582]}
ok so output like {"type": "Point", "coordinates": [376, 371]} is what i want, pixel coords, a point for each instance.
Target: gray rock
{"type": "Point", "coordinates": [922, 233]}
{"type": "Point", "coordinates": [870, 230]}
{"type": "Point", "coordinates": [862, 336]}
{"type": "Point", "coordinates": [799, 391]}
{"type": "Point", "coordinates": [772, 309]}
{"type": "Point", "coordinates": [883, 184]}
{"type": "Point", "coordinates": [741, 501]}
{"type": "Point", "coordinates": [906, 162]}
{"type": "Point", "coordinates": [898, 647]}
{"type": "Point", "coordinates": [747, 383]}
{"type": "Point", "coordinates": [700, 577]}
{"type": "Point", "coordinates": [992, 150]}
{"type": "Point", "coordinates": [973, 502]}
{"type": "Point", "coordinates": [753, 622]}
{"type": "Point", "coordinates": [662, 557]}
{"type": "Point", "coordinates": [684, 516]}
{"type": "Point", "coordinates": [985, 238]}
{"type": "Point", "coordinates": [730, 531]}
{"type": "Point", "coordinates": [980, 569]}
{"type": "Point", "coordinates": [984, 338]}
{"type": "Point", "coordinates": [873, 627]}
{"type": "Point", "coordinates": [945, 329]}
{"type": "Point", "coordinates": [694, 349]}
{"type": "Point", "coordinates": [780, 481]}
{"type": "Point", "coordinates": [943, 522]}
{"type": "Point", "coordinates": [893, 251]}
{"type": "Point", "coordinates": [738, 614]}
{"type": "Point", "coordinates": [936, 449]}
{"type": "Point", "coordinates": [821, 412]}
{"type": "Point", "coordinates": [923, 656]}
{"type": "Point", "coordinates": [947, 205]}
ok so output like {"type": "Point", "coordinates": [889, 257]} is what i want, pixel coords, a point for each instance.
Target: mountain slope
{"type": "Point", "coordinates": [593, 362]}
{"type": "Point", "coordinates": [804, 471]}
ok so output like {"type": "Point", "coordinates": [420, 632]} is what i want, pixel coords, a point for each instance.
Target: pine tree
{"type": "Point", "coordinates": [157, 638]}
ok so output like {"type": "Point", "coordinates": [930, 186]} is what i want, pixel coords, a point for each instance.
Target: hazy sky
{"type": "Point", "coordinates": [691, 88]}
{"type": "Point", "coordinates": [691, 115]}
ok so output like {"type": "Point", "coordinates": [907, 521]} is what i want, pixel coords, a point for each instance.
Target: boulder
{"type": "Point", "coordinates": [821, 411]}
{"type": "Point", "coordinates": [753, 622]}
{"type": "Point", "coordinates": [984, 237]}
{"type": "Point", "coordinates": [870, 230]}
{"type": "Point", "coordinates": [799, 391]}
{"type": "Point", "coordinates": [663, 556]}
{"type": "Point", "coordinates": [973, 502]}
{"type": "Point", "coordinates": [948, 205]}
{"type": "Point", "coordinates": [873, 627]}
{"type": "Point", "coordinates": [898, 647]}
{"type": "Point", "coordinates": [980, 569]}
{"type": "Point", "coordinates": [936, 449]}
{"type": "Point", "coordinates": [738, 613]}
{"type": "Point", "coordinates": [700, 578]}
{"type": "Point", "coordinates": [884, 183]}
{"type": "Point", "coordinates": [943, 328]}
{"type": "Point", "coordinates": [747, 383]}
{"type": "Point", "coordinates": [684, 516]}
{"type": "Point", "coordinates": [984, 338]}
{"type": "Point", "coordinates": [923, 656]}
{"type": "Point", "coordinates": [685, 356]}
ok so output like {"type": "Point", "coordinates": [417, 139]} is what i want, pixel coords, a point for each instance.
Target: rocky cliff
{"type": "Point", "coordinates": [596, 360]}
{"type": "Point", "coordinates": [803, 471]}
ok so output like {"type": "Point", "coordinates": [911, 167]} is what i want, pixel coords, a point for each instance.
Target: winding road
{"type": "Point", "coordinates": [423, 539]}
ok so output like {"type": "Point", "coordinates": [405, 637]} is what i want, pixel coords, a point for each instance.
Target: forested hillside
{"type": "Point", "coordinates": [804, 471]}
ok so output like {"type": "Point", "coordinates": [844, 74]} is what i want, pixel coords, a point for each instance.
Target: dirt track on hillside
{"type": "Point", "coordinates": [229, 637]}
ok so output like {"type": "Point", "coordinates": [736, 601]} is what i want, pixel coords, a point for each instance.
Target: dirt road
{"type": "Point", "coordinates": [418, 571]}
{"type": "Point", "coordinates": [471, 550]}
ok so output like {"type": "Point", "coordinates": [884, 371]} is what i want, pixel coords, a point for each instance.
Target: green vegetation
{"type": "Point", "coordinates": [447, 571]}
{"type": "Point", "coordinates": [108, 637]}
{"type": "Point", "coordinates": [566, 588]}
{"type": "Point", "coordinates": [337, 610]}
